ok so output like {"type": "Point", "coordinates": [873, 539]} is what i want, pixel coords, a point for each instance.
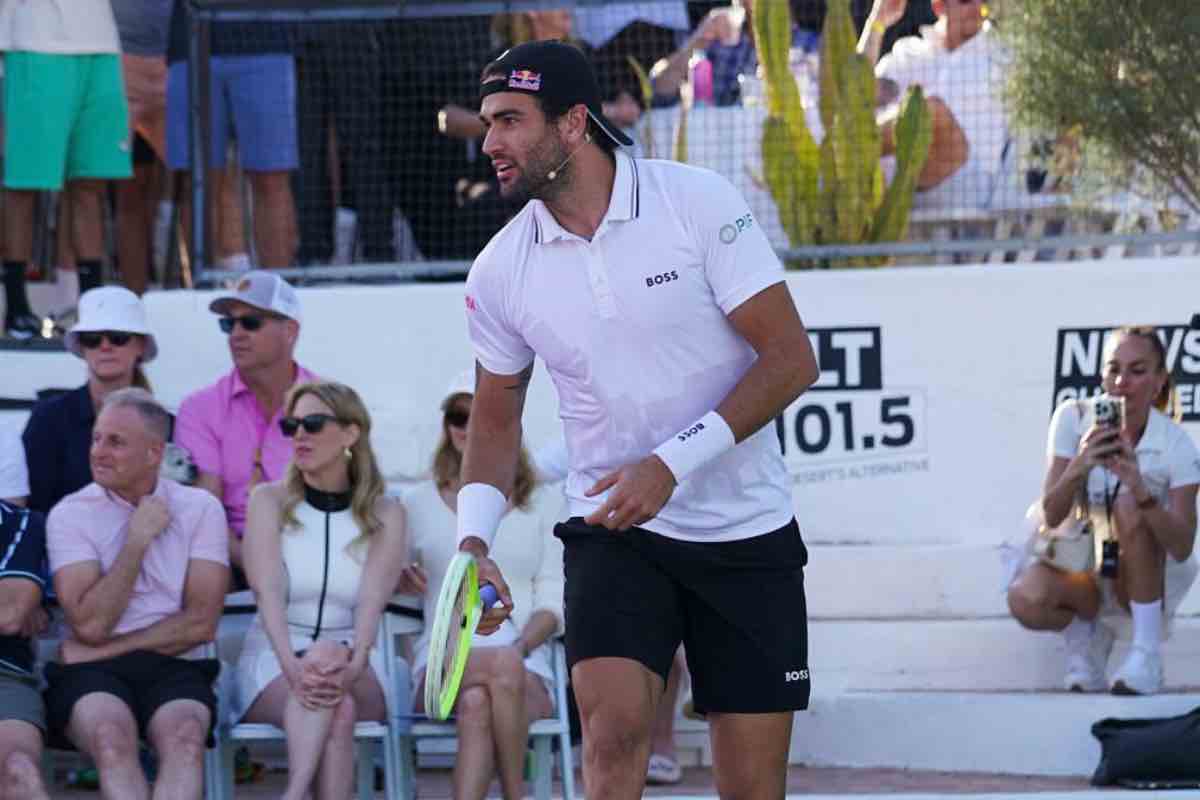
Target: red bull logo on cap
{"type": "Point", "coordinates": [525, 79]}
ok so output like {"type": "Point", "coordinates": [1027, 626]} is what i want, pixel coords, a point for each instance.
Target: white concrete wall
{"type": "Point", "coordinates": [904, 584]}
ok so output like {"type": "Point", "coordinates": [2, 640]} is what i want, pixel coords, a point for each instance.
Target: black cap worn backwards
{"type": "Point", "coordinates": [556, 71]}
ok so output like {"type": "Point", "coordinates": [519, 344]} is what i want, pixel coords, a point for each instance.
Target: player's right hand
{"type": "Point", "coordinates": [493, 617]}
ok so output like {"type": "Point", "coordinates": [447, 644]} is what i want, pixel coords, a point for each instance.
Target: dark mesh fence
{"type": "Point", "coordinates": [388, 167]}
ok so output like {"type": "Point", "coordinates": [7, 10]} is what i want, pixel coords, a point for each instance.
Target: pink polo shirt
{"type": "Point", "coordinates": [92, 525]}
{"type": "Point", "coordinates": [223, 427]}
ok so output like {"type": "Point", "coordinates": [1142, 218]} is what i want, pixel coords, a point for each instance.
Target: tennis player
{"type": "Point", "coordinates": [662, 315]}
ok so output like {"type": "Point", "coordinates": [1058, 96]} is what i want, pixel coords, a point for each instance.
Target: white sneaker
{"type": "Point", "coordinates": [1142, 673]}
{"type": "Point", "coordinates": [1086, 663]}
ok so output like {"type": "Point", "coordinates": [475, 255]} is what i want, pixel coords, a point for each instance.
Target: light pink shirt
{"type": "Point", "coordinates": [223, 426]}
{"type": "Point", "coordinates": [92, 525]}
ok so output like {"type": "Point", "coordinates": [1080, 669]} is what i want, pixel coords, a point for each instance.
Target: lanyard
{"type": "Point", "coordinates": [1109, 499]}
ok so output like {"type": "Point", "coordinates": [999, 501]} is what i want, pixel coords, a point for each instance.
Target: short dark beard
{"type": "Point", "coordinates": [546, 157]}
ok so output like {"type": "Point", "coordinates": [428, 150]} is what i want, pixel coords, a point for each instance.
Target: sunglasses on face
{"type": "Point", "coordinates": [90, 341]}
{"type": "Point", "coordinates": [312, 424]}
{"type": "Point", "coordinates": [457, 419]}
{"type": "Point", "coordinates": [249, 322]}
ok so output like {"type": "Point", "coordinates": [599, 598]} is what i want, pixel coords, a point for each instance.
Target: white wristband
{"type": "Point", "coordinates": [696, 445]}
{"type": "Point", "coordinates": [480, 507]}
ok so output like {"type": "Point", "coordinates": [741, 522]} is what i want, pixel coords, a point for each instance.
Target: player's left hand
{"type": "Point", "coordinates": [639, 491]}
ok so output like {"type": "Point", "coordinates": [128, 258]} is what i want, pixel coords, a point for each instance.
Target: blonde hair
{"type": "Point", "coordinates": [366, 481]}
{"type": "Point", "coordinates": [447, 463]}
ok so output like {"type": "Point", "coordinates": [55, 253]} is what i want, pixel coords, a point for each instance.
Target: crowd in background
{"type": "Point", "coordinates": [334, 142]}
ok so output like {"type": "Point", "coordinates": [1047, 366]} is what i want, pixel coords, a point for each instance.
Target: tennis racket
{"type": "Point", "coordinates": [460, 605]}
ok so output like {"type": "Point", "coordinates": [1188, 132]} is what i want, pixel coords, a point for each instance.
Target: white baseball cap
{"type": "Point", "coordinates": [263, 290]}
{"type": "Point", "coordinates": [111, 308]}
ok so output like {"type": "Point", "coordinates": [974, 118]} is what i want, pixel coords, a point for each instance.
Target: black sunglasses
{"type": "Point", "coordinates": [457, 419]}
{"type": "Point", "coordinates": [312, 424]}
{"type": "Point", "coordinates": [90, 341]}
{"type": "Point", "coordinates": [250, 322]}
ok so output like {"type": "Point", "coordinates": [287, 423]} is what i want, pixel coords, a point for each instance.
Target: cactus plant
{"type": "Point", "coordinates": [833, 193]}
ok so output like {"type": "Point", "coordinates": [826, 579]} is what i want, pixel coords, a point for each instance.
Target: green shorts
{"type": "Point", "coordinates": [66, 118]}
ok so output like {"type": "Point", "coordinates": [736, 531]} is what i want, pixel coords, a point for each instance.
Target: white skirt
{"type": "Point", "coordinates": [258, 665]}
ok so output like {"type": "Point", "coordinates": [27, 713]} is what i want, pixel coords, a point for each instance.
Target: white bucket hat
{"type": "Point", "coordinates": [463, 383]}
{"type": "Point", "coordinates": [111, 308]}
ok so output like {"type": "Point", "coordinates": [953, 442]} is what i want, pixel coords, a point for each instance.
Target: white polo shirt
{"type": "Point", "coordinates": [1166, 455]}
{"type": "Point", "coordinates": [633, 329]}
{"type": "Point", "coordinates": [62, 27]}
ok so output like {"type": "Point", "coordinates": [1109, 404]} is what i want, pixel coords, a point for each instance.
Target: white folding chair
{"type": "Point", "coordinates": [542, 732]}
{"type": "Point", "coordinates": [400, 618]}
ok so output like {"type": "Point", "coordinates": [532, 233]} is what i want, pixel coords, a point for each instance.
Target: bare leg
{"type": "Point", "coordinates": [366, 702]}
{"type": "Point", "coordinates": [87, 219]}
{"type": "Point", "coordinates": [1143, 560]}
{"type": "Point", "coordinates": [178, 731]}
{"type": "Point", "coordinates": [18, 225]}
{"type": "Point", "coordinates": [230, 218]}
{"type": "Point", "coordinates": [20, 757]}
{"type": "Point", "coordinates": [135, 219]}
{"type": "Point", "coordinates": [18, 250]}
{"type": "Point", "coordinates": [306, 733]}
{"type": "Point", "coordinates": [476, 763]}
{"type": "Point", "coordinates": [617, 701]}
{"type": "Point", "coordinates": [750, 753]}
{"type": "Point", "coordinates": [335, 778]}
{"type": "Point", "coordinates": [274, 218]}
{"type": "Point", "coordinates": [103, 727]}
{"type": "Point", "coordinates": [1045, 599]}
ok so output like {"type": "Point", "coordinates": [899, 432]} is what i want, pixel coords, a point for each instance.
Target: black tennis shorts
{"type": "Point", "coordinates": [144, 680]}
{"type": "Point", "coordinates": [737, 607]}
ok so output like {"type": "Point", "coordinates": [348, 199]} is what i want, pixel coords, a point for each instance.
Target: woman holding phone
{"type": "Point", "coordinates": [323, 551]}
{"type": "Point", "coordinates": [1139, 477]}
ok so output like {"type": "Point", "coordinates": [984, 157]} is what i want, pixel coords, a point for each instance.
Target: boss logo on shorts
{"type": "Point", "coordinates": [791, 676]}
{"type": "Point", "coordinates": [659, 280]}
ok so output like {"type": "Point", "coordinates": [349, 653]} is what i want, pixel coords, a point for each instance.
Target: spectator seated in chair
{"type": "Point", "coordinates": [231, 428]}
{"type": "Point", "coordinates": [324, 548]}
{"type": "Point", "coordinates": [140, 567]}
{"type": "Point", "coordinates": [22, 713]}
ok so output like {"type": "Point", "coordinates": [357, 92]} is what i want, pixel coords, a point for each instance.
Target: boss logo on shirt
{"type": "Point", "coordinates": [690, 432]}
{"type": "Point", "coordinates": [729, 233]}
{"type": "Point", "coordinates": [795, 675]}
{"type": "Point", "coordinates": [659, 280]}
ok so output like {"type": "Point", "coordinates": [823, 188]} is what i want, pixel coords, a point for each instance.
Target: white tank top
{"type": "Point", "coordinates": [323, 577]}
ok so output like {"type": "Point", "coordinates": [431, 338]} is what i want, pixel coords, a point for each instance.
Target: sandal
{"type": "Point", "coordinates": [663, 770]}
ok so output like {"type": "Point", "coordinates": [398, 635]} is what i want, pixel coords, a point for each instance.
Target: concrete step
{"type": "Point", "coordinates": [945, 581]}
{"type": "Point", "coordinates": [1009, 733]}
{"type": "Point", "coordinates": [964, 655]}
{"type": "Point", "coordinates": [1027, 733]}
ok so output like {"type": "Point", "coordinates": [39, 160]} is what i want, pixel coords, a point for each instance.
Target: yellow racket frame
{"type": "Point", "coordinates": [441, 682]}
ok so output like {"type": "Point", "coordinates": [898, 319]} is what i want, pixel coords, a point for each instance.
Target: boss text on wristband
{"type": "Point", "coordinates": [696, 445]}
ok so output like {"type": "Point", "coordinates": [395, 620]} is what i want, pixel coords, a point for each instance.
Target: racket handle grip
{"type": "Point", "coordinates": [488, 596]}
